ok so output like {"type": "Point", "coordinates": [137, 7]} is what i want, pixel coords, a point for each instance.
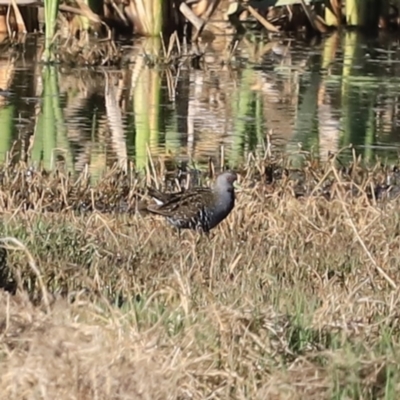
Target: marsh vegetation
{"type": "Point", "coordinates": [72, 30]}
{"type": "Point", "coordinates": [294, 295]}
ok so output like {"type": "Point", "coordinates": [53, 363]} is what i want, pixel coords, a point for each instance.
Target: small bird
{"type": "Point", "coordinates": [200, 208]}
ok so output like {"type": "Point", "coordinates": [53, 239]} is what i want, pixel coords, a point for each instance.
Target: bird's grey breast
{"type": "Point", "coordinates": [223, 207]}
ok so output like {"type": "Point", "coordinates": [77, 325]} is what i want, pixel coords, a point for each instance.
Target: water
{"type": "Point", "coordinates": [276, 97]}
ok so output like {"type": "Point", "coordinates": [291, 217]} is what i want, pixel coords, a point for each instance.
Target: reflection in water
{"type": "Point", "coordinates": [289, 95]}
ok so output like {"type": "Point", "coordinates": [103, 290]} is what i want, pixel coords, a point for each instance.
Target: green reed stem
{"type": "Point", "coordinates": [50, 17]}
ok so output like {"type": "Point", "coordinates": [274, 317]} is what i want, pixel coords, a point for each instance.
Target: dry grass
{"type": "Point", "coordinates": [290, 298]}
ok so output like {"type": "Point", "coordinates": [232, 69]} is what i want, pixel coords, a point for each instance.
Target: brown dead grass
{"type": "Point", "coordinates": [76, 353]}
{"type": "Point", "coordinates": [290, 298]}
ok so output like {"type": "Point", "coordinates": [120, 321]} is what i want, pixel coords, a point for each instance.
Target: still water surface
{"type": "Point", "coordinates": [276, 97]}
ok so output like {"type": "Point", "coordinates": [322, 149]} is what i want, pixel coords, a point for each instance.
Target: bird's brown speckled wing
{"type": "Point", "coordinates": [184, 205]}
{"type": "Point", "coordinates": [164, 197]}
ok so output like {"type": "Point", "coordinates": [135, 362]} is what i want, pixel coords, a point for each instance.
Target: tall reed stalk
{"type": "Point", "coordinates": [50, 17]}
{"type": "Point", "coordinates": [150, 14]}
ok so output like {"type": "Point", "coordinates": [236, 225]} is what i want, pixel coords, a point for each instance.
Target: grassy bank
{"type": "Point", "coordinates": [292, 297]}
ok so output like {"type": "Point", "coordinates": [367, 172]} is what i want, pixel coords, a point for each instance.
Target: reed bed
{"type": "Point", "coordinates": [295, 295]}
